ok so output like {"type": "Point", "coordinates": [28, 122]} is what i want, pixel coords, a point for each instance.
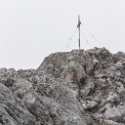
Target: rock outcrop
{"type": "Point", "coordinates": [72, 88]}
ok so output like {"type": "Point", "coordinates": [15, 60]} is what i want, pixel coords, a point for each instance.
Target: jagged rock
{"type": "Point", "coordinates": [88, 88]}
{"type": "Point", "coordinates": [8, 77]}
{"type": "Point", "coordinates": [89, 105]}
{"type": "Point", "coordinates": [71, 66]}
{"type": "Point", "coordinates": [118, 56]}
{"type": "Point", "coordinates": [49, 108]}
{"type": "Point", "coordinates": [73, 72]}
{"type": "Point", "coordinates": [44, 101]}
{"type": "Point", "coordinates": [115, 113]}
{"type": "Point", "coordinates": [71, 88]}
{"type": "Point", "coordinates": [110, 122]}
{"type": "Point", "coordinates": [12, 110]}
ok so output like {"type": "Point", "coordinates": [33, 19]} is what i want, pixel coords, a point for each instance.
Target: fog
{"type": "Point", "coordinates": [30, 30]}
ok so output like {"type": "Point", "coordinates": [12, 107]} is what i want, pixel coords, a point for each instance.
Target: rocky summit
{"type": "Point", "coordinates": [68, 88]}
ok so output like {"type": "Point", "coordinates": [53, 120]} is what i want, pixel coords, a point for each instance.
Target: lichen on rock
{"type": "Point", "coordinates": [68, 88]}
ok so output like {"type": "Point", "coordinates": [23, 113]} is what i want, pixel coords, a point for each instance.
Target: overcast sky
{"type": "Point", "coordinates": [30, 30]}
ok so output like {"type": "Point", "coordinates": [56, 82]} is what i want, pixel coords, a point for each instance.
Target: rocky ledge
{"type": "Point", "coordinates": [71, 88]}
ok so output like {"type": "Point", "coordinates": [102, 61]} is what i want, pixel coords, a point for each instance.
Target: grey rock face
{"type": "Point", "coordinates": [72, 88]}
{"type": "Point", "coordinates": [12, 110]}
{"type": "Point", "coordinates": [37, 98]}
{"type": "Point", "coordinates": [69, 66]}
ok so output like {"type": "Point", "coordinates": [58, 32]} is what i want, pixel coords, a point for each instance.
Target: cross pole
{"type": "Point", "coordinates": [78, 26]}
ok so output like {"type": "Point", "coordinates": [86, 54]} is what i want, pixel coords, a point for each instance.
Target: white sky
{"type": "Point", "coordinates": [30, 30]}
